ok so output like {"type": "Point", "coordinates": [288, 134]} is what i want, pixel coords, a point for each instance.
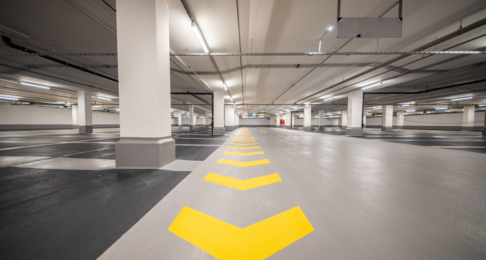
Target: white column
{"type": "Point", "coordinates": [218, 116]}
{"type": "Point", "coordinates": [74, 110]}
{"type": "Point", "coordinates": [85, 120]}
{"type": "Point", "coordinates": [288, 120]}
{"type": "Point", "coordinates": [144, 76]}
{"type": "Point", "coordinates": [307, 118]}
{"type": "Point", "coordinates": [468, 118]}
{"type": "Point", "coordinates": [355, 113]}
{"type": "Point", "coordinates": [344, 120]}
{"type": "Point", "coordinates": [387, 118]}
{"type": "Point", "coordinates": [179, 119]}
{"type": "Point", "coordinates": [192, 118]}
{"type": "Point", "coordinates": [206, 118]}
{"type": "Point", "coordinates": [277, 118]}
{"type": "Point", "coordinates": [229, 118]}
{"type": "Point", "coordinates": [364, 120]}
{"type": "Point", "coordinates": [400, 119]}
{"type": "Point", "coordinates": [321, 119]}
{"type": "Point", "coordinates": [484, 128]}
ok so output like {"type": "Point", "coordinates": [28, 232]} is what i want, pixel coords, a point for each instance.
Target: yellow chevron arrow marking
{"type": "Point", "coordinates": [242, 184]}
{"type": "Point", "coordinates": [243, 164]}
{"type": "Point", "coordinates": [225, 241]}
{"type": "Point", "coordinates": [263, 131]}
{"type": "Point", "coordinates": [244, 144]}
{"type": "Point", "coordinates": [243, 148]}
{"type": "Point", "coordinates": [243, 141]}
{"type": "Point", "coordinates": [243, 154]}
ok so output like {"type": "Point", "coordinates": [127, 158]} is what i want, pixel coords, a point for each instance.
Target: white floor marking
{"type": "Point", "coordinates": [70, 164]}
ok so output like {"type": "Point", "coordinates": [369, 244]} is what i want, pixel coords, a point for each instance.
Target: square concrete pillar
{"type": "Point", "coordinates": [218, 116]}
{"type": "Point", "coordinates": [321, 119]}
{"type": "Point", "coordinates": [206, 119]}
{"type": "Point", "coordinates": [277, 123]}
{"type": "Point", "coordinates": [192, 118]}
{"type": "Point", "coordinates": [364, 120]}
{"type": "Point", "coordinates": [288, 120]}
{"type": "Point", "coordinates": [400, 119]}
{"type": "Point", "coordinates": [85, 114]}
{"type": "Point", "coordinates": [355, 113]}
{"type": "Point", "coordinates": [144, 74]}
{"type": "Point", "coordinates": [344, 120]}
{"type": "Point", "coordinates": [307, 118]}
{"type": "Point", "coordinates": [229, 118]}
{"type": "Point", "coordinates": [387, 118]}
{"type": "Point", "coordinates": [468, 118]}
{"type": "Point", "coordinates": [74, 110]}
{"type": "Point", "coordinates": [179, 119]}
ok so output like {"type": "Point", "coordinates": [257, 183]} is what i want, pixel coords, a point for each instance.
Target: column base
{"type": "Point", "coordinates": [85, 129]}
{"type": "Point", "coordinates": [484, 132]}
{"type": "Point", "coordinates": [467, 128]}
{"type": "Point", "coordinates": [218, 131]}
{"type": "Point", "coordinates": [288, 127]}
{"type": "Point", "coordinates": [307, 128]}
{"type": "Point", "coordinates": [144, 153]}
{"type": "Point", "coordinates": [229, 127]}
{"type": "Point", "coordinates": [344, 127]}
{"type": "Point", "coordinates": [192, 127]}
{"type": "Point", "coordinates": [355, 131]}
{"type": "Point", "coordinates": [75, 126]}
{"type": "Point", "coordinates": [386, 128]}
{"type": "Point", "coordinates": [321, 127]}
{"type": "Point", "coordinates": [400, 127]}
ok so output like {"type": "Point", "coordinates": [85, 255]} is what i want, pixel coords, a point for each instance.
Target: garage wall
{"type": "Point", "coordinates": [15, 117]}
{"type": "Point", "coordinates": [185, 121]}
{"type": "Point", "coordinates": [446, 121]}
{"type": "Point", "coordinates": [254, 122]}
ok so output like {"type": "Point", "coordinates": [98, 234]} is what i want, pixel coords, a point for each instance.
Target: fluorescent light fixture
{"type": "Point", "coordinates": [374, 85]}
{"type": "Point", "coordinates": [200, 38]}
{"type": "Point", "coordinates": [34, 85]}
{"type": "Point", "coordinates": [441, 108]}
{"type": "Point", "coordinates": [327, 99]}
{"type": "Point", "coordinates": [464, 98]}
{"type": "Point", "coordinates": [225, 87]}
{"type": "Point", "coordinates": [376, 108]}
{"type": "Point", "coordinates": [482, 105]}
{"type": "Point", "coordinates": [330, 28]}
{"type": "Point", "coordinates": [409, 111]}
{"type": "Point", "coordinates": [368, 114]}
{"type": "Point", "coordinates": [405, 105]}
{"type": "Point", "coordinates": [105, 98]}
{"type": "Point", "coordinates": [118, 110]}
{"type": "Point", "coordinates": [320, 45]}
{"type": "Point", "coordinates": [8, 98]}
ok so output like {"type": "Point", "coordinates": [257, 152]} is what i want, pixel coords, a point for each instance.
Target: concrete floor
{"type": "Point", "coordinates": [309, 195]}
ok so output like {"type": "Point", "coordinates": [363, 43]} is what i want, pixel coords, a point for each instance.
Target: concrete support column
{"type": "Point", "coordinates": [484, 128]}
{"type": "Point", "coordinates": [468, 118]}
{"type": "Point", "coordinates": [344, 120]}
{"type": "Point", "coordinates": [236, 117]}
{"type": "Point", "coordinates": [387, 118]}
{"type": "Point", "coordinates": [85, 117]}
{"type": "Point", "coordinates": [355, 113]}
{"type": "Point", "coordinates": [206, 119]}
{"type": "Point", "coordinates": [364, 120]}
{"type": "Point", "coordinates": [179, 119]}
{"type": "Point", "coordinates": [218, 116]}
{"type": "Point", "coordinates": [400, 119]}
{"type": "Point", "coordinates": [321, 119]}
{"type": "Point", "coordinates": [288, 120]}
{"type": "Point", "coordinates": [277, 124]}
{"type": "Point", "coordinates": [144, 73]}
{"type": "Point", "coordinates": [192, 118]}
{"type": "Point", "coordinates": [74, 110]}
{"type": "Point", "coordinates": [229, 118]}
{"type": "Point", "coordinates": [307, 118]}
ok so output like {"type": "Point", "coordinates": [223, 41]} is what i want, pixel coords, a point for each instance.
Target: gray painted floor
{"type": "Point", "coordinates": [365, 200]}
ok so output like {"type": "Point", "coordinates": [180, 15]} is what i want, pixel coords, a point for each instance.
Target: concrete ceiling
{"type": "Point", "coordinates": [265, 26]}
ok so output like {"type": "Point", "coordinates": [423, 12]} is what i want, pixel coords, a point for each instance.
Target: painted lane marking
{"type": "Point", "coordinates": [243, 154]}
{"type": "Point", "coordinates": [225, 241]}
{"type": "Point", "coordinates": [243, 148]}
{"type": "Point", "coordinates": [243, 164]}
{"type": "Point", "coordinates": [244, 141]}
{"type": "Point", "coordinates": [243, 184]}
{"type": "Point", "coordinates": [263, 131]}
{"type": "Point", "coordinates": [245, 144]}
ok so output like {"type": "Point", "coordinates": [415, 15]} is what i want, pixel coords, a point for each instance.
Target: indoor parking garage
{"type": "Point", "coordinates": [242, 129]}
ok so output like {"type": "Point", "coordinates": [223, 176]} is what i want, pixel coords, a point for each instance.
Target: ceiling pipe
{"type": "Point", "coordinates": [239, 43]}
{"type": "Point", "coordinates": [426, 90]}
{"type": "Point", "coordinates": [10, 44]}
{"type": "Point", "coordinates": [423, 47]}
{"type": "Point", "coordinates": [346, 53]}
{"type": "Point", "coordinates": [90, 16]}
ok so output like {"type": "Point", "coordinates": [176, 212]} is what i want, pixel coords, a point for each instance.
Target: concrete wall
{"type": "Point", "coordinates": [15, 117]}
{"type": "Point", "coordinates": [185, 121]}
{"type": "Point", "coordinates": [254, 122]}
{"type": "Point", "coordinates": [446, 121]}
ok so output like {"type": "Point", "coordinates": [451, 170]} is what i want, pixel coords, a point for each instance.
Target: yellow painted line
{"type": "Point", "coordinates": [244, 141]}
{"type": "Point", "coordinates": [244, 144]}
{"type": "Point", "coordinates": [263, 131]}
{"type": "Point", "coordinates": [225, 241]}
{"type": "Point", "coordinates": [243, 164]}
{"type": "Point", "coordinates": [243, 154]}
{"type": "Point", "coordinates": [242, 184]}
{"type": "Point", "coordinates": [244, 148]}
